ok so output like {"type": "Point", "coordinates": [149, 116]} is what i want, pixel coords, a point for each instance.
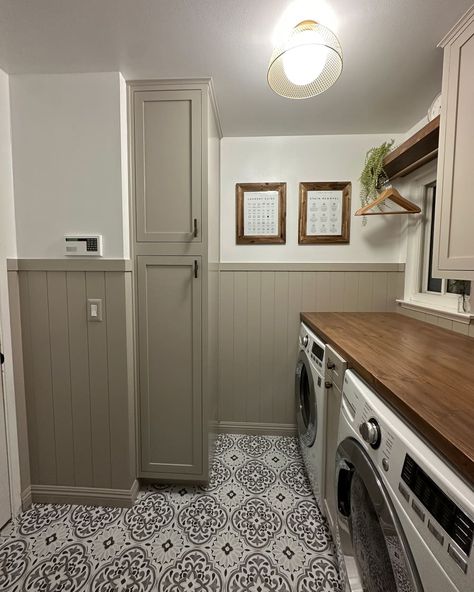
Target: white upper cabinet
{"type": "Point", "coordinates": [454, 237]}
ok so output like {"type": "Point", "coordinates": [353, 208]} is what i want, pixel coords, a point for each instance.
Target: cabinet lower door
{"type": "Point", "coordinates": [169, 315]}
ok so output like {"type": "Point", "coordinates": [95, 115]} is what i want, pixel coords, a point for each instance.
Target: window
{"type": "Point", "coordinates": [422, 288]}
{"type": "Point", "coordinates": [429, 283]}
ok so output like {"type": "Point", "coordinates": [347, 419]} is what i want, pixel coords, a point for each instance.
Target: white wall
{"type": "Point", "coordinates": [292, 160]}
{"type": "Point", "coordinates": [67, 132]}
{"type": "Point", "coordinates": [414, 128]}
{"type": "Point", "coordinates": [7, 250]}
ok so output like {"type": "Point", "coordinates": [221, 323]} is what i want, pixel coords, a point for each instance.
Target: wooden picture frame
{"type": "Point", "coordinates": [251, 216]}
{"type": "Point", "coordinates": [335, 227]}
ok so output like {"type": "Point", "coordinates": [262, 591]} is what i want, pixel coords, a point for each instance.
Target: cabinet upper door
{"type": "Point", "coordinates": [454, 250]}
{"type": "Point", "coordinates": [167, 127]}
{"type": "Point", "coordinates": [169, 326]}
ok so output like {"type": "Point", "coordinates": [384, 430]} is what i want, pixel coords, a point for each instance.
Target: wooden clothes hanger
{"type": "Point", "coordinates": [393, 195]}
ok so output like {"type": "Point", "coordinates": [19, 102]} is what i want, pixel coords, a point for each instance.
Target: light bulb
{"type": "Point", "coordinates": [304, 58]}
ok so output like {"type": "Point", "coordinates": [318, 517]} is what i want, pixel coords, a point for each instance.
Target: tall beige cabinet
{"type": "Point", "coordinates": [174, 163]}
{"type": "Point", "coordinates": [454, 239]}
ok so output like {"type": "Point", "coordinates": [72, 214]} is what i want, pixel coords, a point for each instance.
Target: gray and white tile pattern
{"type": "Point", "coordinates": [255, 527]}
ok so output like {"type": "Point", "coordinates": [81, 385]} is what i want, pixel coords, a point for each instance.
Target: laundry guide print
{"type": "Point", "coordinates": [260, 213]}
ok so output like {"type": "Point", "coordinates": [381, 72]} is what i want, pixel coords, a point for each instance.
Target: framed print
{"type": "Point", "coordinates": [260, 213]}
{"type": "Point", "coordinates": [324, 216]}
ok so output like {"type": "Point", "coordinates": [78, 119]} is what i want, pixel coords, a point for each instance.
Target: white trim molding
{"type": "Point", "coordinates": [186, 83]}
{"type": "Point", "coordinates": [258, 429]}
{"type": "Point", "coordinates": [298, 266]}
{"type": "Point", "coordinates": [76, 264]}
{"type": "Point", "coordinates": [458, 28]}
{"type": "Point", "coordinates": [94, 496]}
{"type": "Point", "coordinates": [443, 305]}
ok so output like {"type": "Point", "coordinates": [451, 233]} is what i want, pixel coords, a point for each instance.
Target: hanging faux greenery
{"type": "Point", "coordinates": [373, 175]}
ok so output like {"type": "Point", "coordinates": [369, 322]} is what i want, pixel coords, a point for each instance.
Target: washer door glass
{"type": "Point", "coordinates": [305, 401]}
{"type": "Point", "coordinates": [369, 536]}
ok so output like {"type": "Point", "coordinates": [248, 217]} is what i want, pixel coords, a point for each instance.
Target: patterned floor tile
{"type": "Point", "coordinates": [131, 570]}
{"type": "Point", "coordinates": [255, 526]}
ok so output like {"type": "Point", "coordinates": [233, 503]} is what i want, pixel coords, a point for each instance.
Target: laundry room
{"type": "Point", "coordinates": [236, 334]}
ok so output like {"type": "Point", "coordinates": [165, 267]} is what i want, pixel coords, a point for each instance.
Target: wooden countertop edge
{"type": "Point", "coordinates": [458, 458]}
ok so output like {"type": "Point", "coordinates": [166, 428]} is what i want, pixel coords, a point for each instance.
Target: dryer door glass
{"type": "Point", "coordinates": [369, 536]}
{"type": "Point", "coordinates": [305, 397]}
{"type": "Point", "coordinates": [305, 401]}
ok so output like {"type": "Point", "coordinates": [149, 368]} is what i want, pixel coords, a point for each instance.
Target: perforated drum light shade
{"type": "Point", "coordinates": [312, 37]}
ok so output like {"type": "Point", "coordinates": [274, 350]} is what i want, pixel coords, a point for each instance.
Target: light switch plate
{"type": "Point", "coordinates": [94, 310]}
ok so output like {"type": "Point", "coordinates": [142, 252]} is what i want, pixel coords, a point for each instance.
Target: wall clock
{"type": "Point", "coordinates": [435, 108]}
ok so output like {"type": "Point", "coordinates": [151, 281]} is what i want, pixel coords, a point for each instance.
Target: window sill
{"type": "Point", "coordinates": [452, 315]}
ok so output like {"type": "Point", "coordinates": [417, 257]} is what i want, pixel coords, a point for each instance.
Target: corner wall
{"type": "Point", "coordinates": [8, 249]}
{"type": "Point", "coordinates": [265, 287]}
{"type": "Point", "coordinates": [68, 162]}
{"type": "Point", "coordinates": [78, 380]}
{"type": "Point", "coordinates": [70, 169]}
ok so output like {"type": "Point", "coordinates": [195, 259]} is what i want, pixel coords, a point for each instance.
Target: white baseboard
{"type": "Point", "coordinates": [92, 496]}
{"type": "Point", "coordinates": [255, 428]}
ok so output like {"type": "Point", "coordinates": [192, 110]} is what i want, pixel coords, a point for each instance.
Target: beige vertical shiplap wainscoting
{"type": "Point", "coordinates": [260, 306]}
{"type": "Point", "coordinates": [441, 320]}
{"type": "Point", "coordinates": [78, 379]}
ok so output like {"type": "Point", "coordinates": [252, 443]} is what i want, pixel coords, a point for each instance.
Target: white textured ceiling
{"type": "Point", "coordinates": [392, 68]}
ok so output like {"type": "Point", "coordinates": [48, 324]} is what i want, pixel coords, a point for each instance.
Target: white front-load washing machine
{"type": "Point", "coordinates": [405, 519]}
{"type": "Point", "coordinates": [310, 405]}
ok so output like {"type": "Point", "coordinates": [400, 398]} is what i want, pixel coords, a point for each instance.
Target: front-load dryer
{"type": "Point", "coordinates": [311, 407]}
{"type": "Point", "coordinates": [405, 519]}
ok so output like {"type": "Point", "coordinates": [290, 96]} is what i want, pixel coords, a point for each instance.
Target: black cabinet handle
{"type": "Point", "coordinates": [195, 228]}
{"type": "Point", "coordinates": [2, 358]}
{"type": "Point", "coordinates": [196, 267]}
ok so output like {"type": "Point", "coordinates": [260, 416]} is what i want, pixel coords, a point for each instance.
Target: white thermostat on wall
{"type": "Point", "coordinates": [83, 245]}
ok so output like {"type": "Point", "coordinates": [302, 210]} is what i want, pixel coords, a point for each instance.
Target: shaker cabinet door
{"type": "Point", "coordinates": [454, 243]}
{"type": "Point", "coordinates": [167, 142]}
{"type": "Point", "coordinates": [169, 319]}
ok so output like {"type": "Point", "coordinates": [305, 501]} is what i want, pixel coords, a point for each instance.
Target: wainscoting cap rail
{"type": "Point", "coordinates": [297, 266]}
{"type": "Point", "coordinates": [69, 264]}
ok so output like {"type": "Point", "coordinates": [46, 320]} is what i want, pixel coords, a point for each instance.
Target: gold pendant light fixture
{"type": "Point", "coordinates": [307, 63]}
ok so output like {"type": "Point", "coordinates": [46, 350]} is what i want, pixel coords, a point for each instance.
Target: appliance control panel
{"type": "Point", "coordinates": [313, 347]}
{"type": "Point", "coordinates": [370, 432]}
{"type": "Point", "coordinates": [444, 518]}
{"type": "Point", "coordinates": [317, 353]}
{"type": "Point", "coordinates": [84, 245]}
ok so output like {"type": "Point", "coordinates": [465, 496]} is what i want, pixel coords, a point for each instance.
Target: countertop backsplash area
{"type": "Point", "coordinates": [259, 323]}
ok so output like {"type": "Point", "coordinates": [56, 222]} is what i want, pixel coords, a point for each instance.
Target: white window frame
{"type": "Point", "coordinates": [415, 297]}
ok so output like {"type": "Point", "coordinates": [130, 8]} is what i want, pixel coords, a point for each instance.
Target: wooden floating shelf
{"type": "Point", "coordinates": [421, 148]}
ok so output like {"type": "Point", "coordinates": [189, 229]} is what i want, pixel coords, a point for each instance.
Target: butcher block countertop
{"type": "Point", "coordinates": [424, 372]}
